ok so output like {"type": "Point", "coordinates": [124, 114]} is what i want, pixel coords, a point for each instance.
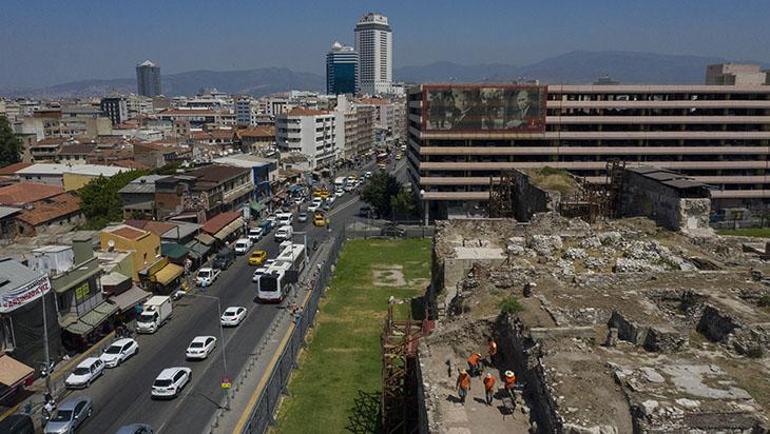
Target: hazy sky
{"type": "Point", "coordinates": [51, 41]}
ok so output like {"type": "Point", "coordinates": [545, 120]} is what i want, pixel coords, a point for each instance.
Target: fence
{"type": "Point", "coordinates": [262, 415]}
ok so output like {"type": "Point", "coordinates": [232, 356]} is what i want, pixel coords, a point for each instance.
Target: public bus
{"type": "Point", "coordinates": [282, 275]}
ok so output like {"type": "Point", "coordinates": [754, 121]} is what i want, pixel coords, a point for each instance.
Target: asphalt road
{"type": "Point", "coordinates": [122, 395]}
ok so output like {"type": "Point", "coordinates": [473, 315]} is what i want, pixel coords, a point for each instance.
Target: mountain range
{"type": "Point", "coordinates": [573, 67]}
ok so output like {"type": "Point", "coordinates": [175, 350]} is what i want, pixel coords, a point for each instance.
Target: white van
{"type": "Point", "coordinates": [284, 218]}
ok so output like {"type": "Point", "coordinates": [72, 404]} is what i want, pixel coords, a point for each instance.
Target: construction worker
{"type": "Point", "coordinates": [463, 385]}
{"type": "Point", "coordinates": [510, 381]}
{"type": "Point", "coordinates": [492, 345]}
{"type": "Point", "coordinates": [489, 388]}
{"type": "Point", "coordinates": [474, 364]}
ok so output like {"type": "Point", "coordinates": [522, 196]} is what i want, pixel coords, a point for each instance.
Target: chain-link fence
{"type": "Point", "coordinates": [317, 280]}
{"type": "Point", "coordinates": [359, 227]}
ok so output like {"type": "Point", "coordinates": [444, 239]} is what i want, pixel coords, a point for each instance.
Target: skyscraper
{"type": "Point", "coordinates": [374, 44]}
{"type": "Point", "coordinates": [148, 79]}
{"type": "Point", "coordinates": [341, 70]}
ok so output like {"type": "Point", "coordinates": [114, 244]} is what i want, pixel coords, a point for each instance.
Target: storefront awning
{"type": "Point", "coordinates": [128, 299]}
{"type": "Point", "coordinates": [86, 323]}
{"type": "Point", "coordinates": [205, 239]}
{"type": "Point", "coordinates": [173, 250]}
{"type": "Point", "coordinates": [167, 274]}
{"type": "Point", "coordinates": [197, 249]}
{"type": "Point", "coordinates": [13, 372]}
{"type": "Point", "coordinates": [229, 229]}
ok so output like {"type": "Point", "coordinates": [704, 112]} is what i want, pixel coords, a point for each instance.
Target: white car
{"type": "Point", "coordinates": [206, 276]}
{"type": "Point", "coordinates": [368, 175]}
{"type": "Point", "coordinates": [242, 246]}
{"type": "Point", "coordinates": [339, 193]}
{"type": "Point", "coordinates": [313, 207]}
{"type": "Point", "coordinates": [255, 234]}
{"type": "Point", "coordinates": [233, 316]}
{"type": "Point", "coordinates": [85, 373]}
{"type": "Point", "coordinates": [201, 347]}
{"type": "Point", "coordinates": [302, 217]}
{"type": "Point", "coordinates": [119, 352]}
{"type": "Point", "coordinates": [261, 270]}
{"type": "Point", "coordinates": [284, 218]}
{"type": "Point", "coordinates": [170, 382]}
{"type": "Point", "coordinates": [330, 200]}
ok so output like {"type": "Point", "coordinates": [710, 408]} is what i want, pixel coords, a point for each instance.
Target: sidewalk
{"type": "Point", "coordinates": [253, 378]}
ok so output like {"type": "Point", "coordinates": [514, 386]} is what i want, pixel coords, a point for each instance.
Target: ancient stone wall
{"type": "Point", "coordinates": [530, 199]}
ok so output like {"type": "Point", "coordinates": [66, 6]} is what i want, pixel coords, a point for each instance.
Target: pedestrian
{"type": "Point", "coordinates": [510, 380]}
{"type": "Point", "coordinates": [492, 346]}
{"type": "Point", "coordinates": [463, 385]}
{"type": "Point", "coordinates": [489, 388]}
{"type": "Point", "coordinates": [474, 364]}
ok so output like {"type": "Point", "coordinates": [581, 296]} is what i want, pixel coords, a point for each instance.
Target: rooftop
{"type": "Point", "coordinates": [26, 192]}
{"type": "Point", "coordinates": [301, 111]}
{"type": "Point", "coordinates": [218, 222]}
{"type": "Point", "coordinates": [14, 274]}
{"type": "Point", "coordinates": [266, 131]}
{"type": "Point", "coordinates": [49, 209]}
{"type": "Point", "coordinates": [143, 184]}
{"type": "Point", "coordinates": [244, 161]}
{"type": "Point", "coordinates": [126, 231]}
{"type": "Point", "coordinates": [79, 169]}
{"type": "Point", "coordinates": [12, 168]}
{"type": "Point", "coordinates": [217, 173]}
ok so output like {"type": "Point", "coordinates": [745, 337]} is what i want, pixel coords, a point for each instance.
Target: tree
{"type": "Point", "coordinates": [402, 204]}
{"type": "Point", "coordinates": [100, 201]}
{"type": "Point", "coordinates": [10, 145]}
{"type": "Point", "coordinates": [379, 190]}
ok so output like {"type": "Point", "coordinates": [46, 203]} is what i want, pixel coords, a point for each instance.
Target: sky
{"type": "Point", "coordinates": [44, 42]}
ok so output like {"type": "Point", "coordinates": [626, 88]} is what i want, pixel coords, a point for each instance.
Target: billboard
{"type": "Point", "coordinates": [480, 108]}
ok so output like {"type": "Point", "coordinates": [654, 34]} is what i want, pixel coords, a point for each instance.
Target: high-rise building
{"type": "Point", "coordinates": [462, 135]}
{"type": "Point", "coordinates": [374, 44]}
{"type": "Point", "coordinates": [148, 79]}
{"type": "Point", "coordinates": [341, 70]}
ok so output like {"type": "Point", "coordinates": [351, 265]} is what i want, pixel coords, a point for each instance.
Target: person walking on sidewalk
{"type": "Point", "coordinates": [463, 385]}
{"type": "Point", "coordinates": [489, 388]}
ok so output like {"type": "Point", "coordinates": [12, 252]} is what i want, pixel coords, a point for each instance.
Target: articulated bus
{"type": "Point", "coordinates": [282, 275]}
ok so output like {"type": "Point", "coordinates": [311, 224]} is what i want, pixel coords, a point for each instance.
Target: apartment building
{"type": "Point", "coordinates": [461, 135]}
{"type": "Point", "coordinates": [312, 133]}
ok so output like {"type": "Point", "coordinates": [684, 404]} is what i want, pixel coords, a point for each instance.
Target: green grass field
{"type": "Point", "coordinates": [746, 232]}
{"type": "Point", "coordinates": [337, 387]}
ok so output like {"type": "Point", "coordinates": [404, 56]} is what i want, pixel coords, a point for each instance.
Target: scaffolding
{"type": "Point", "coordinates": [398, 405]}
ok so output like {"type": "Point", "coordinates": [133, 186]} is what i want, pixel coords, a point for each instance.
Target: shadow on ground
{"type": "Point", "coordinates": [365, 414]}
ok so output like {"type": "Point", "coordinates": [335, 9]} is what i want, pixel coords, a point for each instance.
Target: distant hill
{"type": "Point", "coordinates": [574, 67]}
{"type": "Point", "coordinates": [255, 82]}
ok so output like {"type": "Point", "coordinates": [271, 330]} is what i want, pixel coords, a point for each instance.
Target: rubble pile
{"type": "Point", "coordinates": [623, 326]}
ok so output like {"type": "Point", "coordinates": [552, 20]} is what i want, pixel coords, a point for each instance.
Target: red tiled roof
{"type": "Point", "coordinates": [372, 101]}
{"type": "Point", "coordinates": [217, 173]}
{"type": "Point", "coordinates": [12, 168]}
{"type": "Point", "coordinates": [157, 228]}
{"type": "Point", "coordinates": [130, 164]}
{"type": "Point", "coordinates": [266, 131]}
{"type": "Point", "coordinates": [128, 232]}
{"type": "Point", "coordinates": [26, 192]}
{"type": "Point", "coordinates": [49, 209]}
{"type": "Point", "coordinates": [219, 221]}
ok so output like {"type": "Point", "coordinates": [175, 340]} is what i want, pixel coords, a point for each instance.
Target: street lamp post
{"type": "Point", "coordinates": [424, 205]}
{"type": "Point", "coordinates": [222, 338]}
{"type": "Point", "coordinates": [45, 340]}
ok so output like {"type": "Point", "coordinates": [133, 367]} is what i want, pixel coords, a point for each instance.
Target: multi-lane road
{"type": "Point", "coordinates": [122, 395]}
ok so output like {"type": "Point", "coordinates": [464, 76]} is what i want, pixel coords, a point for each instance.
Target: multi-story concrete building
{"type": "Point", "coordinates": [389, 117]}
{"type": "Point", "coordinates": [312, 133]}
{"type": "Point", "coordinates": [341, 70]}
{"type": "Point", "coordinates": [115, 108]}
{"type": "Point", "coordinates": [358, 126]}
{"type": "Point", "coordinates": [374, 44]}
{"type": "Point", "coordinates": [461, 135]}
{"type": "Point", "coordinates": [736, 74]}
{"type": "Point", "coordinates": [148, 79]}
{"type": "Point", "coordinates": [246, 111]}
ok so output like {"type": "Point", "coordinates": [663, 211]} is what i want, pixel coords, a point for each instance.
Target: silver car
{"type": "Point", "coordinates": [69, 415]}
{"type": "Point", "coordinates": [135, 428]}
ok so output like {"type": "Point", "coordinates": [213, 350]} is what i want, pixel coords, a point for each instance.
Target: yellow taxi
{"type": "Point", "coordinates": [322, 194]}
{"type": "Point", "coordinates": [258, 257]}
{"type": "Point", "coordinates": [319, 219]}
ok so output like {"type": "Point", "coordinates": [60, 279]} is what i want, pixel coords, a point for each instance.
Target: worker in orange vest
{"type": "Point", "coordinates": [463, 385]}
{"type": "Point", "coordinates": [489, 388]}
{"type": "Point", "coordinates": [492, 345]}
{"type": "Point", "coordinates": [474, 364]}
{"type": "Point", "coordinates": [510, 380]}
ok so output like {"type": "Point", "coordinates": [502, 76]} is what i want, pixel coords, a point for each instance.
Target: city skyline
{"type": "Point", "coordinates": [88, 47]}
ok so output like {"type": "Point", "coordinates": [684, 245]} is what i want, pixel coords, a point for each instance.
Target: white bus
{"type": "Point", "coordinates": [281, 275]}
{"type": "Point", "coordinates": [339, 183]}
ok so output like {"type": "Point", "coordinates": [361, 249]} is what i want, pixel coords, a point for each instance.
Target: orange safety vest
{"type": "Point", "coordinates": [492, 348]}
{"type": "Point", "coordinates": [464, 381]}
{"type": "Point", "coordinates": [474, 359]}
{"type": "Point", "coordinates": [489, 383]}
{"type": "Point", "coordinates": [510, 382]}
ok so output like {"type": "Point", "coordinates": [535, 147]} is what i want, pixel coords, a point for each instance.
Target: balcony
{"type": "Point", "coordinates": [237, 192]}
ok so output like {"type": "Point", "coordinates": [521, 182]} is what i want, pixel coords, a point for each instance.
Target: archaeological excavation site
{"type": "Point", "coordinates": [641, 322]}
